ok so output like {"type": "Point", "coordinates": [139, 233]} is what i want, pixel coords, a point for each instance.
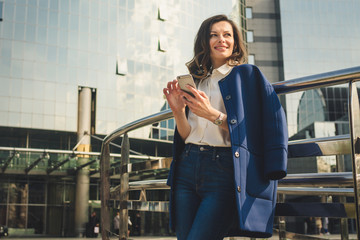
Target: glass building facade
{"type": "Point", "coordinates": [317, 37]}
{"type": "Point", "coordinates": [296, 38]}
{"type": "Point", "coordinates": [124, 50]}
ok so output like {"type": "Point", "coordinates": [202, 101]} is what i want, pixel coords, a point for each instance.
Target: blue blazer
{"type": "Point", "coordinates": [259, 140]}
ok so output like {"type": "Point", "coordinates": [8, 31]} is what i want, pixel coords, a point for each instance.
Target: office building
{"type": "Point", "coordinates": [294, 38]}
{"type": "Point", "coordinates": [120, 53]}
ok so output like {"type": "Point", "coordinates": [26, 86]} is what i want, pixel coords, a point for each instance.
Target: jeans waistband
{"type": "Point", "coordinates": [205, 148]}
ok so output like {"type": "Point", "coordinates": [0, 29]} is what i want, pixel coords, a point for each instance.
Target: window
{"type": "Point", "coordinates": [1, 11]}
{"type": "Point", "coordinates": [248, 12]}
{"type": "Point", "coordinates": [251, 59]}
{"type": "Point", "coordinates": [165, 129]}
{"type": "Point", "coordinates": [162, 44]}
{"type": "Point", "coordinates": [250, 36]}
{"type": "Point", "coordinates": [121, 66]}
{"type": "Point", "coordinates": [162, 13]}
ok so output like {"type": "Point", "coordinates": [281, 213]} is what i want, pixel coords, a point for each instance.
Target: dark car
{"type": "Point", "coordinates": [4, 230]}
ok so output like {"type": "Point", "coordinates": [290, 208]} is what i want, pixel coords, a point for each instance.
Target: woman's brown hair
{"type": "Point", "coordinates": [200, 65]}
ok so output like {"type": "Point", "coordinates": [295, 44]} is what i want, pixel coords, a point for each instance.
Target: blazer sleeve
{"type": "Point", "coordinates": [275, 131]}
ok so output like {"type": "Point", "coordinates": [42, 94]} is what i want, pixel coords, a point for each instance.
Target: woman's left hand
{"type": "Point", "coordinates": [200, 104]}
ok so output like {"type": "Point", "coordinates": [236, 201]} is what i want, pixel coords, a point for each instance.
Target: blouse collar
{"type": "Point", "coordinates": [223, 70]}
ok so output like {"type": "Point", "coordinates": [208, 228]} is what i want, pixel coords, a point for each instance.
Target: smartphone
{"type": "Point", "coordinates": [184, 80]}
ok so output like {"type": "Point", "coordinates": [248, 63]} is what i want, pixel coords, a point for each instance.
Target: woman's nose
{"type": "Point", "coordinates": [221, 39]}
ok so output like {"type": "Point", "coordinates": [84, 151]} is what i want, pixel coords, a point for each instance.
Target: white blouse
{"type": "Point", "coordinates": [204, 132]}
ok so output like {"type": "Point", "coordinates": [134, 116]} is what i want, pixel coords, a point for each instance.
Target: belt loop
{"type": "Point", "coordinates": [188, 147]}
{"type": "Point", "coordinates": [214, 154]}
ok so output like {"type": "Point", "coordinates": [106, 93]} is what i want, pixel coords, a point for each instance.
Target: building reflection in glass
{"type": "Point", "coordinates": [127, 50]}
{"type": "Point", "coordinates": [18, 193]}
{"type": "Point", "coordinates": [317, 37]}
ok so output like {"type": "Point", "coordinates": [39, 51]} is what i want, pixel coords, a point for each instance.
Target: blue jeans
{"type": "Point", "coordinates": [204, 193]}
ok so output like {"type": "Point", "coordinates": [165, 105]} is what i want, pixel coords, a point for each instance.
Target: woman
{"type": "Point", "coordinates": [230, 142]}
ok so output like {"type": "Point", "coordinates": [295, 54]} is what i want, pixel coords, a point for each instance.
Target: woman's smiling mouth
{"type": "Point", "coordinates": [221, 47]}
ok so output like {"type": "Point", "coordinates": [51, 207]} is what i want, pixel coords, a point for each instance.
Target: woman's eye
{"type": "Point", "coordinates": [228, 34]}
{"type": "Point", "coordinates": [213, 35]}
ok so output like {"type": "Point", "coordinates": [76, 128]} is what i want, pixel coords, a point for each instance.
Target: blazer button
{"type": "Point", "coordinates": [228, 97]}
{"type": "Point", "coordinates": [239, 189]}
{"type": "Point", "coordinates": [237, 154]}
{"type": "Point", "coordinates": [233, 121]}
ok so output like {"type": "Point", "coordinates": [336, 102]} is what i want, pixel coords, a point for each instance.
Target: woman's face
{"type": "Point", "coordinates": [221, 43]}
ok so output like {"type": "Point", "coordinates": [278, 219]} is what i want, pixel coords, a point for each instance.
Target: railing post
{"type": "Point", "coordinates": [282, 223]}
{"type": "Point", "coordinates": [105, 191]}
{"type": "Point", "coordinates": [354, 120]}
{"type": "Point", "coordinates": [344, 226]}
{"type": "Point", "coordinates": [124, 187]}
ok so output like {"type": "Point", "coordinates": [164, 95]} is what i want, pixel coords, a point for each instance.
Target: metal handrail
{"type": "Point", "coordinates": [349, 75]}
{"type": "Point", "coordinates": [339, 179]}
{"type": "Point", "coordinates": [70, 152]}
{"type": "Point", "coordinates": [157, 117]}
{"type": "Point", "coordinates": [161, 184]}
{"type": "Point", "coordinates": [318, 80]}
{"type": "Point", "coordinates": [285, 87]}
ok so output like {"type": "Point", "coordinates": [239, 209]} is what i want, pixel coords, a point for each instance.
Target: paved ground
{"type": "Point", "coordinates": [113, 238]}
{"type": "Point", "coordinates": [328, 237]}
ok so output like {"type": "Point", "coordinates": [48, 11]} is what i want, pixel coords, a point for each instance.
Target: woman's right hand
{"type": "Point", "coordinates": [174, 97]}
